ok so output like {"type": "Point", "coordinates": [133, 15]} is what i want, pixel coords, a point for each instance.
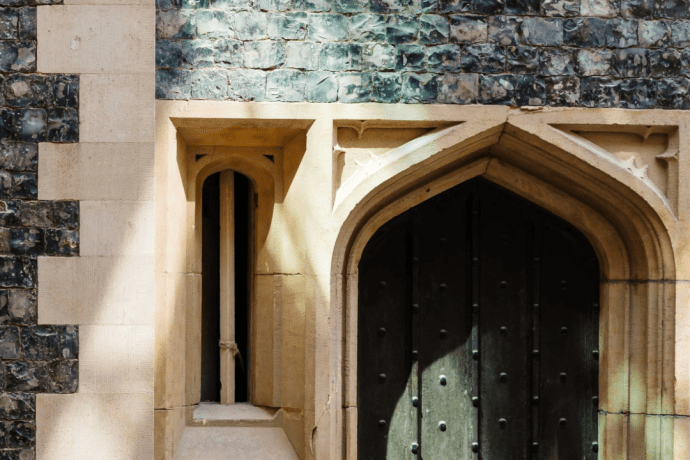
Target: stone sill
{"type": "Point", "coordinates": [237, 415]}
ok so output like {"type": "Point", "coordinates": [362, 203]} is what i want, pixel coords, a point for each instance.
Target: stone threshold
{"type": "Point", "coordinates": [235, 415]}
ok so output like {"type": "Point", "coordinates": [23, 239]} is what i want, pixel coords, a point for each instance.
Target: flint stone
{"type": "Point", "coordinates": [193, 4]}
{"type": "Point", "coordinates": [19, 454]}
{"type": "Point", "coordinates": [594, 62]}
{"type": "Point", "coordinates": [22, 307]}
{"type": "Point", "coordinates": [17, 406]}
{"type": "Point", "coordinates": [250, 25]}
{"type": "Point", "coordinates": [368, 28]}
{"type": "Point", "coordinates": [36, 213]}
{"type": "Point", "coordinates": [497, 89]}
{"type": "Point", "coordinates": [7, 122]}
{"type": "Point", "coordinates": [636, 8]}
{"type": "Point", "coordinates": [209, 84]}
{"type": "Point", "coordinates": [483, 58]}
{"type": "Point", "coordinates": [63, 125]}
{"type": "Point", "coordinates": [312, 5]}
{"type": "Point", "coordinates": [13, 2]}
{"type": "Point", "coordinates": [585, 32]}
{"type": "Point", "coordinates": [10, 343]}
{"type": "Point", "coordinates": [40, 343]}
{"type": "Point", "coordinates": [9, 23]}
{"type": "Point", "coordinates": [66, 91]}
{"type": "Point", "coordinates": [562, 91]}
{"type": "Point", "coordinates": [16, 156]}
{"type": "Point", "coordinates": [66, 214]}
{"type": "Point", "coordinates": [443, 58]}
{"type": "Point", "coordinates": [349, 6]}
{"type": "Point", "coordinates": [168, 54]}
{"type": "Point", "coordinates": [197, 53]}
{"type": "Point", "coordinates": [176, 24]}
{"type": "Point", "coordinates": [672, 93]}
{"type": "Point", "coordinates": [231, 5]}
{"type": "Point", "coordinates": [274, 5]}
{"type": "Point", "coordinates": [433, 29]}
{"type": "Point", "coordinates": [531, 91]}
{"type": "Point", "coordinates": [423, 6]}
{"type": "Point", "coordinates": [5, 185]}
{"type": "Point", "coordinates": [20, 434]}
{"type": "Point", "coordinates": [665, 63]}
{"type": "Point", "coordinates": [246, 85]}
{"type": "Point", "coordinates": [461, 88]}
{"type": "Point", "coordinates": [452, 6]}
{"type": "Point", "coordinates": [321, 87]}
{"type": "Point", "coordinates": [388, 6]}
{"type": "Point", "coordinates": [631, 62]}
{"type": "Point", "coordinates": [285, 85]}
{"type": "Point", "coordinates": [264, 55]}
{"type": "Point", "coordinates": [340, 56]}
{"type": "Point", "coordinates": [543, 32]}
{"type": "Point", "coordinates": [401, 29]}
{"type": "Point", "coordinates": [556, 61]}
{"type": "Point", "coordinates": [419, 88]}
{"type": "Point", "coordinates": [9, 213]}
{"type": "Point", "coordinates": [61, 242]}
{"type": "Point", "coordinates": [17, 272]}
{"type": "Point", "coordinates": [288, 26]}
{"type": "Point", "coordinates": [2, 82]}
{"type": "Point", "coordinates": [21, 90]}
{"type": "Point", "coordinates": [27, 23]}
{"type": "Point", "coordinates": [65, 376]}
{"type": "Point", "coordinates": [680, 34]}
{"type": "Point", "coordinates": [355, 87]}
{"type": "Point", "coordinates": [489, 6]}
{"type": "Point", "coordinates": [27, 376]}
{"type": "Point", "coordinates": [504, 30]}
{"type": "Point", "coordinates": [4, 301]}
{"type": "Point", "coordinates": [638, 94]}
{"type": "Point", "coordinates": [302, 55]}
{"type": "Point", "coordinates": [621, 33]}
{"type": "Point", "coordinates": [228, 54]}
{"type": "Point", "coordinates": [410, 57]}
{"type": "Point", "coordinates": [670, 8]}
{"type": "Point", "coordinates": [30, 125]}
{"type": "Point", "coordinates": [24, 186]}
{"type": "Point", "coordinates": [600, 8]}
{"type": "Point", "coordinates": [17, 56]}
{"type": "Point", "coordinates": [386, 87]}
{"type": "Point", "coordinates": [328, 27]}
{"type": "Point", "coordinates": [522, 7]}
{"type": "Point", "coordinates": [654, 34]}
{"type": "Point", "coordinates": [378, 57]}
{"type": "Point", "coordinates": [685, 65]}
{"type": "Point", "coordinates": [523, 59]}
{"type": "Point", "coordinates": [69, 341]}
{"type": "Point", "coordinates": [562, 7]}
{"type": "Point", "coordinates": [468, 29]}
{"type": "Point", "coordinates": [215, 24]}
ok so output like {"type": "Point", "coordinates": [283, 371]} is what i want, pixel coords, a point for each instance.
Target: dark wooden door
{"type": "Point", "coordinates": [478, 333]}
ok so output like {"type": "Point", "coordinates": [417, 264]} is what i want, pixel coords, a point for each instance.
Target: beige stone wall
{"type": "Point", "coordinates": [109, 290]}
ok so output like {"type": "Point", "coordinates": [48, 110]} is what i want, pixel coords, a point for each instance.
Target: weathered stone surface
{"type": "Point", "coordinates": [285, 85]}
{"type": "Point", "coordinates": [287, 26]}
{"type": "Point", "coordinates": [22, 90]}
{"type": "Point", "coordinates": [10, 343]}
{"type": "Point", "coordinates": [27, 23]}
{"type": "Point", "coordinates": [66, 91]}
{"type": "Point", "coordinates": [264, 54]}
{"type": "Point", "coordinates": [9, 23]}
{"type": "Point", "coordinates": [654, 34]}
{"type": "Point", "coordinates": [209, 84]}
{"type": "Point", "coordinates": [562, 7]}
{"type": "Point", "coordinates": [680, 34]}
{"type": "Point", "coordinates": [25, 376]}
{"type": "Point", "coordinates": [340, 56]}
{"type": "Point", "coordinates": [349, 6]}
{"type": "Point", "coordinates": [410, 57]}
{"type": "Point", "coordinates": [193, 4]}
{"type": "Point", "coordinates": [672, 93]}
{"type": "Point", "coordinates": [17, 56]}
{"type": "Point", "coordinates": [443, 58]}
{"type": "Point", "coordinates": [368, 27]}
{"type": "Point", "coordinates": [22, 307]}
{"type": "Point", "coordinates": [670, 8]}
{"type": "Point", "coordinates": [530, 91]}
{"type": "Point", "coordinates": [35, 213]}
{"type": "Point", "coordinates": [489, 6]}
{"type": "Point", "coordinates": [523, 59]}
{"type": "Point", "coordinates": [246, 85]}
{"type": "Point", "coordinates": [17, 272]}
{"type": "Point", "coordinates": [197, 54]}
{"type": "Point", "coordinates": [433, 29]}
{"type": "Point", "coordinates": [168, 54]}
{"type": "Point", "coordinates": [556, 61]}
{"type": "Point", "coordinates": [497, 89]}
{"type": "Point", "coordinates": [600, 8]}
{"type": "Point", "coordinates": [65, 214]}
{"type": "Point", "coordinates": [232, 5]}
{"type": "Point", "coordinates": [327, 27]}
{"type": "Point", "coordinates": [386, 87]}
{"type": "Point", "coordinates": [665, 63]}
{"type": "Point", "coordinates": [584, 32]}
{"type": "Point", "coordinates": [40, 343]}
{"type": "Point", "coordinates": [418, 88]}
{"type": "Point", "coordinates": [24, 186]}
{"type": "Point", "coordinates": [64, 374]}
{"type": "Point", "coordinates": [504, 30]}
{"type": "Point", "coordinates": [63, 125]}
{"type": "Point", "coordinates": [16, 156]}
{"type": "Point", "coordinates": [30, 125]}
{"type": "Point", "coordinates": [451, 6]}
{"type": "Point", "coordinates": [355, 87]}
{"type": "Point", "coordinates": [483, 58]}
{"type": "Point", "coordinates": [7, 124]}
{"type": "Point", "coordinates": [401, 29]}
{"type": "Point", "coordinates": [20, 434]}
{"type": "Point", "coordinates": [5, 184]}
{"type": "Point", "coordinates": [274, 5]}
{"type": "Point", "coordinates": [61, 242]}
{"type": "Point", "coordinates": [638, 94]}
{"type": "Point", "coordinates": [594, 62]}
{"type": "Point", "coordinates": [17, 406]}
{"type": "Point", "coordinates": [378, 57]}
{"type": "Point", "coordinates": [542, 32]}
{"type": "Point", "coordinates": [522, 7]}
{"type": "Point", "coordinates": [250, 25]}
{"type": "Point", "coordinates": [302, 55]}
{"type": "Point", "coordinates": [321, 87]}
{"type": "Point", "coordinates": [468, 29]}
{"type": "Point", "coordinates": [387, 6]}
{"type": "Point", "coordinates": [175, 24]}
{"type": "Point", "coordinates": [636, 8]}
{"type": "Point", "coordinates": [214, 24]}
{"type": "Point", "coordinates": [9, 213]}
{"type": "Point", "coordinates": [562, 91]}
{"type": "Point", "coordinates": [631, 62]}
{"type": "Point", "coordinates": [69, 341]}
{"type": "Point", "coordinates": [459, 88]}
{"type": "Point", "coordinates": [4, 296]}
{"type": "Point", "coordinates": [312, 5]}
{"type": "Point", "coordinates": [228, 54]}
{"type": "Point", "coordinates": [621, 33]}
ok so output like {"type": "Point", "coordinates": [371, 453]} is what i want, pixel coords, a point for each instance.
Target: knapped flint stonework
{"type": "Point", "coordinates": [33, 108]}
{"type": "Point", "coordinates": [587, 53]}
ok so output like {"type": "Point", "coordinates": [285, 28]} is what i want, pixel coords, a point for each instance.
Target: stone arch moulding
{"type": "Point", "coordinates": [630, 221]}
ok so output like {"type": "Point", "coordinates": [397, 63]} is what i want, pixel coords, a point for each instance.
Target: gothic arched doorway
{"type": "Point", "coordinates": [478, 333]}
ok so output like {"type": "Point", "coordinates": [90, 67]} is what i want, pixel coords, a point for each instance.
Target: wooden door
{"type": "Point", "coordinates": [478, 333]}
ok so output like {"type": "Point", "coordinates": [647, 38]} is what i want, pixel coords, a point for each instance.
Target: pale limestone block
{"type": "Point", "coordinates": [116, 359]}
{"type": "Point", "coordinates": [117, 228]}
{"type": "Point", "coordinates": [168, 427]}
{"type": "Point", "coordinates": [90, 39]}
{"type": "Point", "coordinates": [681, 438]}
{"type": "Point", "coordinates": [262, 320]}
{"type": "Point", "coordinates": [94, 426]}
{"type": "Point", "coordinates": [96, 290]}
{"type": "Point", "coordinates": [117, 108]}
{"type": "Point", "coordinates": [59, 167]}
{"type": "Point", "coordinates": [214, 443]}
{"type": "Point", "coordinates": [288, 331]}
{"type": "Point", "coordinates": [682, 349]}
